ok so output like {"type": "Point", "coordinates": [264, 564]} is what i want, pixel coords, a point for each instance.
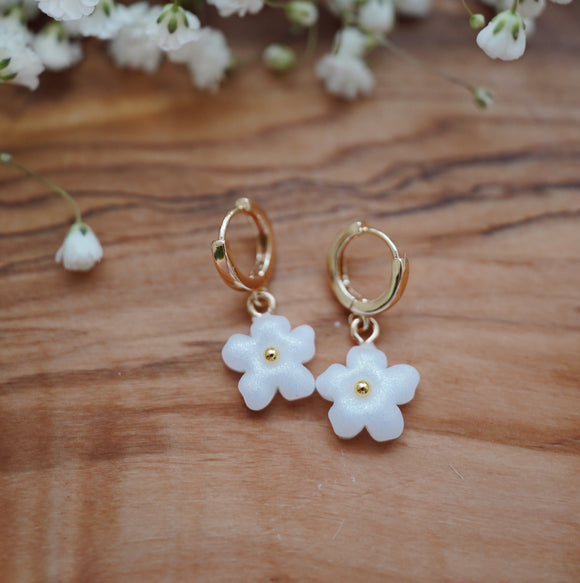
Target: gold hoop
{"type": "Point", "coordinates": [340, 281]}
{"type": "Point", "coordinates": [265, 249]}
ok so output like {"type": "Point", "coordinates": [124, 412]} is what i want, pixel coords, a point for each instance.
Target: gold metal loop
{"type": "Point", "coordinates": [360, 324]}
{"type": "Point", "coordinates": [260, 302]}
{"type": "Point", "coordinates": [340, 281]}
{"type": "Point", "coordinates": [265, 249]}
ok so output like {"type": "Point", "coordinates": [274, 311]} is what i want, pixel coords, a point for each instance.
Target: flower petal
{"type": "Point", "coordinates": [268, 328]}
{"type": "Point", "coordinates": [328, 383]}
{"type": "Point", "coordinates": [238, 352]}
{"type": "Point", "coordinates": [366, 357]}
{"type": "Point", "coordinates": [401, 381]}
{"type": "Point", "coordinates": [295, 382]}
{"type": "Point", "coordinates": [257, 390]}
{"type": "Point", "coordinates": [301, 342]}
{"type": "Point", "coordinates": [385, 423]}
{"type": "Point", "coordinates": [346, 421]}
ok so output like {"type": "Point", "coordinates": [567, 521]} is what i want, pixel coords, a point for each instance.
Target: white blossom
{"type": "Point", "coordinates": [19, 64]}
{"type": "Point", "coordinates": [526, 8]}
{"type": "Point", "coordinates": [271, 359]}
{"type": "Point", "coordinates": [350, 42]}
{"type": "Point", "coordinates": [67, 9]}
{"type": "Point", "coordinates": [366, 393]}
{"type": "Point", "coordinates": [174, 27]}
{"type": "Point", "coordinates": [413, 8]}
{"type": "Point", "coordinates": [104, 22]}
{"type": "Point", "coordinates": [377, 16]}
{"type": "Point", "coordinates": [345, 76]}
{"type": "Point", "coordinates": [12, 29]}
{"type": "Point", "coordinates": [81, 249]}
{"type": "Point", "coordinates": [302, 13]}
{"type": "Point", "coordinates": [504, 37]}
{"type": "Point", "coordinates": [239, 7]}
{"type": "Point", "coordinates": [207, 58]}
{"type": "Point", "coordinates": [28, 7]}
{"type": "Point", "coordinates": [342, 7]}
{"type": "Point", "coordinates": [55, 49]}
{"type": "Point", "coordinates": [561, 1]}
{"type": "Point", "coordinates": [134, 47]}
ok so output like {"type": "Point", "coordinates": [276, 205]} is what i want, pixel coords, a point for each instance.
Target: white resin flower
{"type": "Point", "coordinates": [239, 7]}
{"type": "Point", "coordinates": [19, 64]}
{"type": "Point", "coordinates": [504, 37]}
{"type": "Point", "coordinates": [81, 249]}
{"type": "Point", "coordinates": [67, 9]}
{"type": "Point", "coordinates": [174, 27]}
{"type": "Point", "coordinates": [413, 8]}
{"type": "Point", "coordinates": [54, 48]}
{"type": "Point", "coordinates": [345, 76]}
{"type": "Point", "coordinates": [377, 16]}
{"type": "Point", "coordinates": [134, 47]}
{"type": "Point", "coordinates": [366, 393]}
{"type": "Point", "coordinates": [12, 29]}
{"type": "Point", "coordinates": [272, 358]}
{"type": "Point", "coordinates": [207, 58]}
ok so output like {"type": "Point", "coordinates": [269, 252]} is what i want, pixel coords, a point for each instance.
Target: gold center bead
{"type": "Point", "coordinates": [362, 388]}
{"type": "Point", "coordinates": [271, 354]}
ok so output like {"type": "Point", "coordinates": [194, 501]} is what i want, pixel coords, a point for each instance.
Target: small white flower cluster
{"type": "Point", "coordinates": [138, 35]}
{"type": "Point", "coordinates": [504, 37]}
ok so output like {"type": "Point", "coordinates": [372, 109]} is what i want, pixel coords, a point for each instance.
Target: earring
{"type": "Point", "coordinates": [365, 392]}
{"type": "Point", "coordinates": [272, 356]}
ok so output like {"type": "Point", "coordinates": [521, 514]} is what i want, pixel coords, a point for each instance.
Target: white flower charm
{"type": "Point", "coordinates": [67, 9]}
{"type": "Point", "coordinates": [366, 393]}
{"type": "Point", "coordinates": [239, 7]}
{"type": "Point", "coordinates": [81, 249]}
{"type": "Point", "coordinates": [272, 358]}
{"type": "Point", "coordinates": [504, 37]}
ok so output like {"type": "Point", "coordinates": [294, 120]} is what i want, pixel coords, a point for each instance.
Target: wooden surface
{"type": "Point", "coordinates": [126, 453]}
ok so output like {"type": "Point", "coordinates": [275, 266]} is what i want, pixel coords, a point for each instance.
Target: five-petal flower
{"type": "Point", "coordinates": [366, 393]}
{"type": "Point", "coordinates": [272, 358]}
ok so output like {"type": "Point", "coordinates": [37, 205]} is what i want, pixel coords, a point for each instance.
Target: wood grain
{"type": "Point", "coordinates": [126, 453]}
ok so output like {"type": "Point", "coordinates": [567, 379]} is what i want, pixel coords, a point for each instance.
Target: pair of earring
{"type": "Point", "coordinates": [365, 392]}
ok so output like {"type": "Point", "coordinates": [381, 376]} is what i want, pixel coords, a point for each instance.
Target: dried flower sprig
{"type": "Point", "coordinates": [81, 249]}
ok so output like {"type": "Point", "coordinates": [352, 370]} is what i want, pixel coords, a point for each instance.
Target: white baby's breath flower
{"type": "Point", "coordinates": [504, 37]}
{"type": "Point", "coordinates": [302, 13]}
{"type": "Point", "coordinates": [561, 1]}
{"type": "Point", "coordinates": [279, 58]}
{"type": "Point", "coordinates": [345, 76]}
{"type": "Point", "coordinates": [67, 9]}
{"type": "Point", "coordinates": [55, 49]}
{"type": "Point", "coordinates": [104, 22]}
{"type": "Point", "coordinates": [81, 249]}
{"type": "Point", "coordinates": [12, 27]}
{"type": "Point", "coordinates": [377, 16]}
{"type": "Point", "coordinates": [134, 47]}
{"type": "Point", "coordinates": [239, 7]}
{"type": "Point", "coordinates": [413, 8]}
{"type": "Point", "coordinates": [350, 42]}
{"type": "Point", "coordinates": [207, 58]}
{"type": "Point", "coordinates": [174, 27]}
{"type": "Point", "coordinates": [19, 64]}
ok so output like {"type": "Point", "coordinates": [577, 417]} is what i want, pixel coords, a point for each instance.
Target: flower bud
{"type": "Point", "coordinates": [477, 21]}
{"type": "Point", "coordinates": [483, 97]}
{"type": "Point", "coordinates": [302, 13]}
{"type": "Point", "coordinates": [81, 250]}
{"type": "Point", "coordinates": [279, 58]}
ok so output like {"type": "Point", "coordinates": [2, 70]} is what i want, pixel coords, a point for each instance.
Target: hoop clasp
{"type": "Point", "coordinates": [340, 281]}
{"type": "Point", "coordinates": [265, 249]}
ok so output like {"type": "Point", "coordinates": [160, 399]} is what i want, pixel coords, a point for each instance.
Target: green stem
{"type": "Point", "coordinates": [467, 7]}
{"type": "Point", "coordinates": [515, 6]}
{"type": "Point", "coordinates": [384, 41]}
{"type": "Point", "coordinates": [7, 159]}
{"type": "Point", "coordinates": [312, 40]}
{"type": "Point", "coordinates": [272, 4]}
